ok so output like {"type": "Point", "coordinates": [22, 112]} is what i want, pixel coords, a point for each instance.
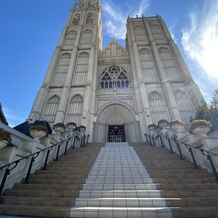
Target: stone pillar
{"type": "Point", "coordinates": [88, 90]}
{"type": "Point", "coordinates": [66, 89]}
{"type": "Point", "coordinates": [141, 92]}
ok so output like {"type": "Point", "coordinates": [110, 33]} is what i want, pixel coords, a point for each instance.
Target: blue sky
{"type": "Point", "coordinates": [30, 31]}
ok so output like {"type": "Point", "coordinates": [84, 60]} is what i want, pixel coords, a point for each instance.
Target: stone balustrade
{"type": "Point", "coordinates": [200, 142]}
{"type": "Point", "coordinates": [22, 146]}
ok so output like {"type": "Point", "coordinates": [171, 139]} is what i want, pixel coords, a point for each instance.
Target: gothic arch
{"type": "Point", "coordinates": [69, 40]}
{"type": "Point", "coordinates": [80, 75]}
{"type": "Point", "coordinates": [61, 70]}
{"type": "Point", "coordinates": [158, 107]}
{"type": "Point", "coordinates": [86, 38]}
{"type": "Point", "coordinates": [51, 108]}
{"type": "Point", "coordinates": [76, 19]}
{"type": "Point", "coordinates": [185, 105]}
{"type": "Point", "coordinates": [169, 64]}
{"type": "Point", "coordinates": [89, 18]}
{"type": "Point", "coordinates": [158, 33]}
{"type": "Point", "coordinates": [114, 76]}
{"type": "Point", "coordinates": [149, 70]}
{"type": "Point", "coordinates": [116, 114]}
{"type": "Point", "coordinates": [75, 110]}
{"type": "Point", "coordinates": [141, 35]}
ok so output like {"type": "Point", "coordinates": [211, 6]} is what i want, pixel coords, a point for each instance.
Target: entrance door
{"type": "Point", "coordinates": [116, 133]}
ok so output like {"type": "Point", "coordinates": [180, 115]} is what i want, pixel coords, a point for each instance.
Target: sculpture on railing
{"type": "Point", "coordinates": [35, 152]}
{"type": "Point", "coordinates": [194, 144]}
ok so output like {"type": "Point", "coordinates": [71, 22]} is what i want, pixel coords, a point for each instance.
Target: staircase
{"type": "Point", "coordinates": [189, 192]}
{"type": "Point", "coordinates": [119, 186]}
{"type": "Point", "coordinates": [51, 192]}
{"type": "Point", "coordinates": [116, 180]}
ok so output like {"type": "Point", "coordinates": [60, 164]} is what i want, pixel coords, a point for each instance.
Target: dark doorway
{"type": "Point", "coordinates": [116, 133]}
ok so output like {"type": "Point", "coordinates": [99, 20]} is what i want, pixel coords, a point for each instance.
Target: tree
{"type": "Point", "coordinates": [214, 111]}
{"type": "Point", "coordinates": [209, 112]}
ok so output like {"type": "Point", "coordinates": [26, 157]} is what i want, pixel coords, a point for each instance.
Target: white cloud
{"type": "Point", "coordinates": [115, 18]}
{"type": "Point", "coordinates": [200, 39]}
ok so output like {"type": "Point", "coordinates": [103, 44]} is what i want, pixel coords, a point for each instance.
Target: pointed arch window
{"type": "Point", "coordinates": [158, 34]}
{"type": "Point", "coordinates": [69, 39]}
{"type": "Point", "coordinates": [86, 38]}
{"type": "Point", "coordinates": [141, 35]}
{"type": "Point", "coordinates": [76, 20]}
{"type": "Point", "coordinates": [51, 109]}
{"type": "Point", "coordinates": [158, 107]}
{"type": "Point", "coordinates": [61, 70]}
{"type": "Point", "coordinates": [80, 75]}
{"type": "Point", "coordinates": [185, 106]}
{"type": "Point", "coordinates": [89, 18]}
{"type": "Point", "coordinates": [75, 110]}
{"type": "Point", "coordinates": [114, 76]}
{"type": "Point", "coordinates": [149, 70]}
{"type": "Point", "coordinates": [169, 64]}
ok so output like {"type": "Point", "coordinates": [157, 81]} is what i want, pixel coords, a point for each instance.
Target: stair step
{"type": "Point", "coordinates": [43, 201]}
{"type": "Point", "coordinates": [33, 211]}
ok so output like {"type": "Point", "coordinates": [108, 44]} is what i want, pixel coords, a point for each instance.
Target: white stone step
{"type": "Point", "coordinates": [118, 185]}
{"type": "Point", "coordinates": [120, 202]}
{"type": "Point", "coordinates": [122, 212]}
{"type": "Point", "coordinates": [120, 193]}
{"type": "Point", "coordinates": [107, 186]}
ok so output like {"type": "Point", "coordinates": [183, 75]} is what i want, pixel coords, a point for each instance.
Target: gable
{"type": "Point", "coordinates": [113, 49]}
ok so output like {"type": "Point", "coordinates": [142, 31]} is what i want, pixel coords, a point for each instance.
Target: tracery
{"type": "Point", "coordinates": [114, 76]}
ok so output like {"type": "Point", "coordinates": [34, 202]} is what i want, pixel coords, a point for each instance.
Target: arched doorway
{"type": "Point", "coordinates": [120, 118]}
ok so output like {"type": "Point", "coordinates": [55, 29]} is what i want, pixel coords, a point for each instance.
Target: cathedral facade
{"type": "Point", "coordinates": [115, 91]}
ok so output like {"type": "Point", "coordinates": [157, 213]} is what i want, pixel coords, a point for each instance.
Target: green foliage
{"type": "Point", "coordinates": [209, 112]}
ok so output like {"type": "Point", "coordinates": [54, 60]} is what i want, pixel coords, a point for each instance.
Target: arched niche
{"type": "Point", "coordinates": [116, 114]}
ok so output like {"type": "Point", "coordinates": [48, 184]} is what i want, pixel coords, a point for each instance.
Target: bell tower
{"type": "Point", "coordinates": [67, 93]}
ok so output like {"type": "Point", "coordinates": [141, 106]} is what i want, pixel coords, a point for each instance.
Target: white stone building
{"type": "Point", "coordinates": [115, 90]}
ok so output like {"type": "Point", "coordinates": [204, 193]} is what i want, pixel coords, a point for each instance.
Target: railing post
{"type": "Point", "coordinates": [146, 139]}
{"type": "Point", "coordinates": [87, 139]}
{"type": "Point", "coordinates": [192, 155]}
{"type": "Point", "coordinates": [74, 141]}
{"type": "Point", "coordinates": [150, 139]}
{"type": "Point", "coordinates": [213, 168]}
{"type": "Point", "coordinates": [161, 141]}
{"type": "Point", "coordinates": [58, 151]}
{"type": "Point", "coordinates": [179, 149]}
{"type": "Point", "coordinates": [6, 174]}
{"type": "Point", "coordinates": [153, 139]}
{"type": "Point", "coordinates": [65, 152]}
{"type": "Point", "coordinates": [30, 166]}
{"type": "Point", "coordinates": [46, 159]}
{"type": "Point", "coordinates": [171, 149]}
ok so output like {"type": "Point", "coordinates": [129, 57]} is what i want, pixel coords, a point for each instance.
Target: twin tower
{"type": "Point", "coordinates": [115, 91]}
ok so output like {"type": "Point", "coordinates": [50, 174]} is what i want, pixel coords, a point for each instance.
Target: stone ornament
{"type": "Point", "coordinates": [176, 125]}
{"type": "Point", "coordinates": [38, 131]}
{"type": "Point", "coordinates": [5, 138]}
{"type": "Point", "coordinates": [59, 127]}
{"type": "Point", "coordinates": [200, 127]}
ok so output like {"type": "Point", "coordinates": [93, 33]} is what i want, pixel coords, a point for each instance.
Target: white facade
{"type": "Point", "coordinates": [134, 86]}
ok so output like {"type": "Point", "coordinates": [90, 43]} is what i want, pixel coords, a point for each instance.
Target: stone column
{"type": "Point", "coordinates": [141, 92]}
{"type": "Point", "coordinates": [66, 89]}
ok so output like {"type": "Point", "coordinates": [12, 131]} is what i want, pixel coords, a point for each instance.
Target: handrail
{"type": "Point", "coordinates": [26, 157]}
{"type": "Point", "coordinates": [34, 156]}
{"type": "Point", "coordinates": [190, 148]}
